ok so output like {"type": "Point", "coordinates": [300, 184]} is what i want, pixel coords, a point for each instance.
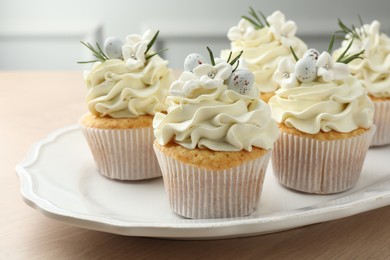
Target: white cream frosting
{"type": "Point", "coordinates": [204, 113]}
{"type": "Point", "coordinates": [264, 48]}
{"type": "Point", "coordinates": [374, 69]}
{"type": "Point", "coordinates": [120, 91]}
{"type": "Point", "coordinates": [340, 105]}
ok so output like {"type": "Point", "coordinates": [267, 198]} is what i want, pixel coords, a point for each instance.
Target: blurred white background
{"type": "Point", "coordinates": [46, 34]}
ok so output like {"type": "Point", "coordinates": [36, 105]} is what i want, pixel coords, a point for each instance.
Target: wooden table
{"type": "Point", "coordinates": [32, 104]}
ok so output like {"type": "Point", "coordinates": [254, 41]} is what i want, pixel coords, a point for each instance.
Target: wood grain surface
{"type": "Point", "coordinates": [32, 104]}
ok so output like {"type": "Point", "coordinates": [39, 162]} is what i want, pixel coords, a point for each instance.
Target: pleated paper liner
{"type": "Point", "coordinates": [382, 122]}
{"type": "Point", "coordinates": [199, 193]}
{"type": "Point", "coordinates": [318, 166]}
{"type": "Point", "coordinates": [123, 154]}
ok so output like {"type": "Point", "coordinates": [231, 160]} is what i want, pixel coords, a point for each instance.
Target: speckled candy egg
{"type": "Point", "coordinates": [312, 54]}
{"type": "Point", "coordinates": [241, 81]}
{"type": "Point", "coordinates": [192, 61]}
{"type": "Point", "coordinates": [113, 48]}
{"type": "Point", "coordinates": [306, 70]}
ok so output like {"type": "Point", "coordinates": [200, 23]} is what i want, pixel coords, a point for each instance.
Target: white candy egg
{"type": "Point", "coordinates": [241, 81]}
{"type": "Point", "coordinates": [113, 48]}
{"type": "Point", "coordinates": [306, 70]}
{"type": "Point", "coordinates": [311, 53]}
{"type": "Point", "coordinates": [192, 61]}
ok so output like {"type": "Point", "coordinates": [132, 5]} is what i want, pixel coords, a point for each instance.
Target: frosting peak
{"type": "Point", "coordinates": [374, 69]}
{"type": "Point", "coordinates": [340, 105]}
{"type": "Point", "coordinates": [264, 47]}
{"type": "Point", "coordinates": [128, 81]}
{"type": "Point", "coordinates": [204, 113]}
{"type": "Point", "coordinates": [319, 94]}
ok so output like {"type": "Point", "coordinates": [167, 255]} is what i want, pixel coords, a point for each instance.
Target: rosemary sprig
{"type": "Point", "coordinates": [294, 54]}
{"type": "Point", "coordinates": [101, 52]}
{"type": "Point", "coordinates": [255, 20]}
{"type": "Point", "coordinates": [230, 56]}
{"type": "Point", "coordinates": [362, 25]}
{"type": "Point", "coordinates": [255, 24]}
{"type": "Point", "coordinates": [264, 18]}
{"type": "Point", "coordinates": [330, 48]}
{"type": "Point", "coordinates": [342, 55]}
{"type": "Point", "coordinates": [347, 30]}
{"type": "Point", "coordinates": [231, 62]}
{"type": "Point", "coordinates": [156, 53]}
{"type": "Point", "coordinates": [98, 53]}
{"type": "Point", "coordinates": [211, 56]}
{"type": "Point", "coordinates": [150, 45]}
{"type": "Point", "coordinates": [350, 58]}
{"type": "Point", "coordinates": [236, 58]}
{"type": "Point", "coordinates": [347, 58]}
{"type": "Point", "coordinates": [255, 16]}
{"type": "Point", "coordinates": [238, 63]}
{"type": "Point", "coordinates": [84, 62]}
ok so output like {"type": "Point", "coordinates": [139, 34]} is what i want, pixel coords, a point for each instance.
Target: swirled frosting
{"type": "Point", "coordinates": [263, 48]}
{"type": "Point", "coordinates": [118, 91]}
{"type": "Point", "coordinates": [374, 69]}
{"type": "Point", "coordinates": [203, 113]}
{"type": "Point", "coordinates": [340, 105]}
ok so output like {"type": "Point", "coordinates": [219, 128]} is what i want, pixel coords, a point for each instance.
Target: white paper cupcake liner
{"type": "Point", "coordinates": [123, 154]}
{"type": "Point", "coordinates": [382, 123]}
{"type": "Point", "coordinates": [200, 193]}
{"type": "Point", "coordinates": [317, 166]}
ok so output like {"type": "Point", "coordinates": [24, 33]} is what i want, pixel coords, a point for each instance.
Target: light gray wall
{"type": "Point", "coordinates": [45, 35]}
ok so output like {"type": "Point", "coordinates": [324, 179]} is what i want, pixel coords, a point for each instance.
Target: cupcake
{"type": "Point", "coordinates": [325, 118]}
{"type": "Point", "coordinates": [215, 141]}
{"type": "Point", "coordinates": [127, 85]}
{"type": "Point", "coordinates": [373, 71]}
{"type": "Point", "coordinates": [265, 41]}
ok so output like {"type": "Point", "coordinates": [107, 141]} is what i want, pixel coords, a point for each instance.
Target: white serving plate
{"type": "Point", "coordinates": [59, 179]}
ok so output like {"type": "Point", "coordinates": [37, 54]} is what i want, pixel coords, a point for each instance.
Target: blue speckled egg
{"type": "Point", "coordinates": [192, 61]}
{"type": "Point", "coordinates": [241, 81]}
{"type": "Point", "coordinates": [306, 70]}
{"type": "Point", "coordinates": [113, 48]}
{"type": "Point", "coordinates": [312, 54]}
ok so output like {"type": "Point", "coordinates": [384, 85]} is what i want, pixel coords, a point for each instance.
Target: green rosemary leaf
{"type": "Point", "coordinates": [294, 54]}
{"type": "Point", "coordinates": [345, 52]}
{"type": "Point", "coordinates": [254, 15]}
{"type": "Point", "coordinates": [152, 42]}
{"type": "Point", "coordinates": [88, 46]}
{"type": "Point", "coordinates": [151, 55]}
{"type": "Point", "coordinates": [355, 31]}
{"type": "Point", "coordinates": [351, 59]}
{"type": "Point", "coordinates": [94, 51]}
{"type": "Point", "coordinates": [257, 26]}
{"type": "Point", "coordinates": [211, 56]}
{"type": "Point", "coordinates": [97, 56]}
{"type": "Point", "coordinates": [90, 61]}
{"type": "Point", "coordinates": [360, 20]}
{"type": "Point", "coordinates": [97, 53]}
{"type": "Point", "coordinates": [347, 30]}
{"type": "Point", "coordinates": [264, 18]}
{"type": "Point", "coordinates": [347, 60]}
{"type": "Point", "coordinates": [230, 56]}
{"type": "Point", "coordinates": [238, 63]}
{"type": "Point", "coordinates": [344, 27]}
{"type": "Point", "coordinates": [330, 48]}
{"type": "Point", "coordinates": [362, 25]}
{"type": "Point", "coordinates": [236, 58]}
{"type": "Point", "coordinates": [101, 52]}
